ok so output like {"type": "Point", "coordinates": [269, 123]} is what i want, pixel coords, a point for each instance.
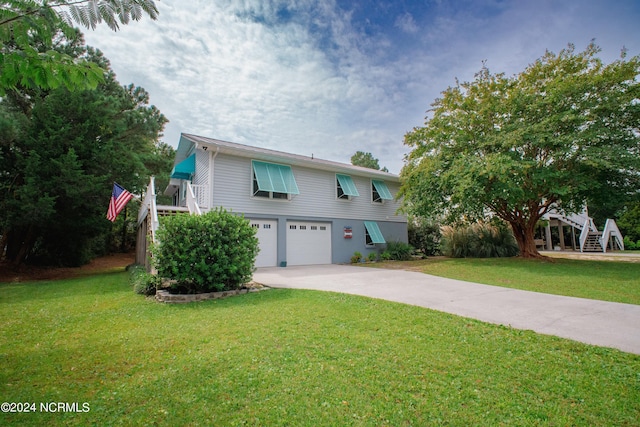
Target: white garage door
{"type": "Point", "coordinates": [268, 242]}
{"type": "Point", "coordinates": [308, 243]}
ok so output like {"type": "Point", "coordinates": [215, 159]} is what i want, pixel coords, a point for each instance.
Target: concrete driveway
{"type": "Point", "coordinates": [600, 323]}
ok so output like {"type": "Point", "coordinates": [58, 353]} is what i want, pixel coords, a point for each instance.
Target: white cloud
{"type": "Point", "coordinates": [300, 77]}
{"type": "Point", "coordinates": [406, 23]}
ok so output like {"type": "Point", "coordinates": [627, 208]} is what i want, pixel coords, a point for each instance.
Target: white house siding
{"type": "Point", "coordinates": [201, 176]}
{"type": "Point", "coordinates": [317, 198]}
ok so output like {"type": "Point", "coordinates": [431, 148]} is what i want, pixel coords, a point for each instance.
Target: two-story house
{"type": "Point", "coordinates": [306, 210]}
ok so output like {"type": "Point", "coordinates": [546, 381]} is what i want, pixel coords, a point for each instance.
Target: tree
{"type": "Point", "coordinates": [59, 158]}
{"type": "Point", "coordinates": [366, 160]}
{"type": "Point", "coordinates": [629, 222]}
{"type": "Point", "coordinates": [564, 130]}
{"type": "Point", "coordinates": [29, 28]}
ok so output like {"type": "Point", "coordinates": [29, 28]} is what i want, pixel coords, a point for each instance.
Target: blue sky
{"type": "Point", "coordinates": [334, 77]}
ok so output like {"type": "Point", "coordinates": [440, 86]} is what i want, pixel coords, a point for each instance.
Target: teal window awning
{"type": "Point", "coordinates": [382, 189]}
{"type": "Point", "coordinates": [374, 232]}
{"type": "Point", "coordinates": [275, 178]}
{"type": "Point", "coordinates": [185, 169]}
{"type": "Point", "coordinates": [347, 185]}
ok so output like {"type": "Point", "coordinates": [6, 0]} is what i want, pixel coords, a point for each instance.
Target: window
{"type": "Point", "coordinates": [345, 187]}
{"type": "Point", "coordinates": [266, 225]}
{"type": "Point", "coordinates": [323, 228]}
{"type": "Point", "coordinates": [292, 227]}
{"type": "Point", "coordinates": [314, 227]}
{"type": "Point", "coordinates": [255, 225]}
{"type": "Point", "coordinates": [267, 194]}
{"type": "Point", "coordinates": [372, 233]}
{"type": "Point", "coordinates": [367, 238]}
{"type": "Point", "coordinates": [380, 192]}
{"type": "Point", "coordinates": [272, 181]}
{"type": "Point", "coordinates": [303, 227]}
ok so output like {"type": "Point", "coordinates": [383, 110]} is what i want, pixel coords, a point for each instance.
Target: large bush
{"type": "Point", "coordinates": [629, 222]}
{"type": "Point", "coordinates": [205, 253]}
{"type": "Point", "coordinates": [480, 240]}
{"type": "Point", "coordinates": [424, 235]}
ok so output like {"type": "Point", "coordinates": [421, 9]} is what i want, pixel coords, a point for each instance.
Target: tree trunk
{"type": "Point", "coordinates": [27, 245]}
{"type": "Point", "coordinates": [3, 242]}
{"type": "Point", "coordinates": [524, 234]}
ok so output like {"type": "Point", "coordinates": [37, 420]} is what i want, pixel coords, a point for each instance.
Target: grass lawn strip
{"type": "Point", "coordinates": [602, 280]}
{"type": "Point", "coordinates": [290, 357]}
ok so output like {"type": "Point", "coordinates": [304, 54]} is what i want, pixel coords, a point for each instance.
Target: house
{"type": "Point", "coordinates": [305, 210]}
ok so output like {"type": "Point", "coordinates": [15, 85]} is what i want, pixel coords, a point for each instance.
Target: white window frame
{"type": "Point", "coordinates": [380, 200]}
{"type": "Point", "coordinates": [269, 195]}
{"type": "Point", "coordinates": [344, 197]}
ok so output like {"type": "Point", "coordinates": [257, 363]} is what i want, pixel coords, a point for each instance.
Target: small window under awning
{"type": "Point", "coordinates": [274, 177]}
{"type": "Point", "coordinates": [347, 185]}
{"type": "Point", "coordinates": [374, 232]}
{"type": "Point", "coordinates": [185, 169]}
{"type": "Point", "coordinates": [382, 189]}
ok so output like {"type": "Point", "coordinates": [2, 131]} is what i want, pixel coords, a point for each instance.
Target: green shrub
{"type": "Point", "coordinates": [629, 222]}
{"type": "Point", "coordinates": [356, 257]}
{"type": "Point", "coordinates": [425, 235]}
{"type": "Point", "coordinates": [143, 283]}
{"type": "Point", "coordinates": [205, 253]}
{"type": "Point", "coordinates": [629, 244]}
{"type": "Point", "coordinates": [385, 256]}
{"type": "Point", "coordinates": [399, 251]}
{"type": "Point", "coordinates": [372, 257]}
{"type": "Point", "coordinates": [479, 240]}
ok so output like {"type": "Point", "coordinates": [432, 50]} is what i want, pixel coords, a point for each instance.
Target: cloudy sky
{"type": "Point", "coordinates": [331, 77]}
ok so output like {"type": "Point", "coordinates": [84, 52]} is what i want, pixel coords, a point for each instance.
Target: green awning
{"type": "Point", "coordinates": [274, 177]}
{"type": "Point", "coordinates": [374, 232]}
{"type": "Point", "coordinates": [382, 189]}
{"type": "Point", "coordinates": [347, 185]}
{"type": "Point", "coordinates": [185, 169]}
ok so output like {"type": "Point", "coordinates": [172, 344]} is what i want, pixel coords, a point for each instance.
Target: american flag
{"type": "Point", "coordinates": [119, 198]}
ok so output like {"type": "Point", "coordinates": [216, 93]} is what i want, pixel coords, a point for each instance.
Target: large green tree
{"type": "Point", "coordinates": [562, 132]}
{"type": "Point", "coordinates": [59, 157]}
{"type": "Point", "coordinates": [366, 160]}
{"type": "Point", "coordinates": [30, 28]}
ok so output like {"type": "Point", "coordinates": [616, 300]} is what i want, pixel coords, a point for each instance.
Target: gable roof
{"type": "Point", "coordinates": [188, 143]}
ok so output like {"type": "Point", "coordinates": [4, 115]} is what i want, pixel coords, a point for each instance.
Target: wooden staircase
{"type": "Point", "coordinates": [593, 242]}
{"type": "Point", "coordinates": [148, 222]}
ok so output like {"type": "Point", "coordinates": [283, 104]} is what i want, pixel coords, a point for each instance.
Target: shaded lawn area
{"type": "Point", "coordinates": [615, 281]}
{"type": "Point", "coordinates": [292, 357]}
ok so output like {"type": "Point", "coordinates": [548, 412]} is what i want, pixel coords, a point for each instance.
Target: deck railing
{"type": "Point", "coordinates": [192, 202]}
{"type": "Point", "coordinates": [201, 193]}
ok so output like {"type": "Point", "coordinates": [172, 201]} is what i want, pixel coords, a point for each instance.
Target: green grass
{"type": "Point", "coordinates": [603, 280]}
{"type": "Point", "coordinates": [290, 357]}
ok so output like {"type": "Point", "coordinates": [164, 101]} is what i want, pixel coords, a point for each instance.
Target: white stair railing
{"type": "Point", "coordinates": [587, 227]}
{"type": "Point", "coordinates": [149, 208]}
{"type": "Point", "coordinates": [192, 202]}
{"type": "Point", "coordinates": [611, 230]}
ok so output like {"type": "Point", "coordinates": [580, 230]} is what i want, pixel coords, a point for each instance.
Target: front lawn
{"type": "Point", "coordinates": [291, 357]}
{"type": "Point", "coordinates": [615, 281]}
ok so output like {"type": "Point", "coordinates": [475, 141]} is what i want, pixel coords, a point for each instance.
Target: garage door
{"type": "Point", "coordinates": [308, 243]}
{"type": "Point", "coordinates": [268, 242]}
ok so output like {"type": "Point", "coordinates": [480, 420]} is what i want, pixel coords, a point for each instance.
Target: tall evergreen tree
{"type": "Point", "coordinates": [60, 157]}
